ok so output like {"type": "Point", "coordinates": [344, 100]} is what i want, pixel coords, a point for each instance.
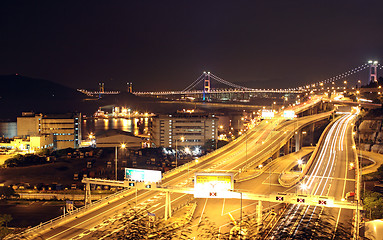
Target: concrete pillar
{"type": "Point", "coordinates": [286, 148]}
{"type": "Point", "coordinates": [259, 213]}
{"type": "Point", "coordinates": [168, 207]}
{"type": "Point", "coordinates": [298, 140]}
{"type": "Point", "coordinates": [312, 129]}
{"type": "Point", "coordinates": [88, 199]}
{"type": "Point", "coordinates": [275, 155]}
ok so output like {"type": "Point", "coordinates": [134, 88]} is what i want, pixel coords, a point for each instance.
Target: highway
{"type": "Point", "coordinates": [257, 144]}
{"type": "Point", "coordinates": [332, 175]}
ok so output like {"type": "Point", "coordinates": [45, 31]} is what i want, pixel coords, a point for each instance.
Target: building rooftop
{"type": "Point", "coordinates": [113, 132]}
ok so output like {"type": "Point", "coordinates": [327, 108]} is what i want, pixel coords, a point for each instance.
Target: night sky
{"type": "Point", "coordinates": [167, 44]}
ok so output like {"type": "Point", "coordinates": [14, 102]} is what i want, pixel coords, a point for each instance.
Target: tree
{"type": "Point", "coordinates": [208, 230]}
{"type": "Point", "coordinates": [136, 224]}
{"type": "Point", "coordinates": [6, 218]}
{"type": "Point", "coordinates": [373, 204]}
{"type": "Point", "coordinates": [7, 192]}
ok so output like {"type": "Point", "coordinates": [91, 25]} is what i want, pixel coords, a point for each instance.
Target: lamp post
{"type": "Point", "coordinates": [240, 223]}
{"type": "Point", "coordinates": [182, 139]}
{"type": "Point", "coordinates": [300, 162]}
{"type": "Point", "coordinates": [123, 145]}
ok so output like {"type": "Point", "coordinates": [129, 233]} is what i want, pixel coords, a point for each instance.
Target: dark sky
{"type": "Point", "coordinates": [168, 44]}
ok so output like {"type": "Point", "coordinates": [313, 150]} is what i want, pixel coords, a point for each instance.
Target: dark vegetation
{"type": "Point", "coordinates": [4, 220]}
{"type": "Point", "coordinates": [25, 160]}
{"type": "Point", "coordinates": [7, 192]}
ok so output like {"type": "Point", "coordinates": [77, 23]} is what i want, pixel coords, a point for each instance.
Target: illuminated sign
{"type": "Point", "coordinates": [288, 114]}
{"type": "Point", "coordinates": [267, 114]}
{"type": "Point", "coordinates": [213, 185]}
{"type": "Point", "coordinates": [142, 175]}
{"type": "Point", "coordinates": [300, 200]}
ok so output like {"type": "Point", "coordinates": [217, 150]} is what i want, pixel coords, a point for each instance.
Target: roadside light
{"type": "Point", "coordinates": [343, 199]}
{"type": "Point", "coordinates": [196, 161]}
{"type": "Point", "coordinates": [300, 161]}
{"type": "Point", "coordinates": [304, 186]}
{"type": "Point", "coordinates": [354, 147]}
{"type": "Point", "coordinates": [131, 184]}
{"type": "Point", "coordinates": [123, 145]}
{"type": "Point", "coordinates": [260, 166]}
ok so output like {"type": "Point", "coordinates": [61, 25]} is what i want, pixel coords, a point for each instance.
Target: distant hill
{"type": "Point", "coordinates": [24, 94]}
{"type": "Point", "coordinates": [19, 93]}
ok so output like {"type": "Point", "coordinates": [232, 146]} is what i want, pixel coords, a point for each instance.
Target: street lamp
{"type": "Point", "coordinates": [300, 162]}
{"type": "Point", "coordinates": [304, 187]}
{"type": "Point", "coordinates": [123, 146]}
{"type": "Point", "coordinates": [240, 223]}
{"type": "Point", "coordinates": [182, 139]}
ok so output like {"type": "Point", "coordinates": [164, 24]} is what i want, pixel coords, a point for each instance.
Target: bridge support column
{"type": "Point", "coordinates": [312, 129]}
{"type": "Point", "coordinates": [259, 214]}
{"type": "Point", "coordinates": [286, 148]}
{"type": "Point", "coordinates": [88, 199]}
{"type": "Point", "coordinates": [168, 206]}
{"type": "Point", "coordinates": [298, 140]}
{"type": "Point", "coordinates": [275, 155]}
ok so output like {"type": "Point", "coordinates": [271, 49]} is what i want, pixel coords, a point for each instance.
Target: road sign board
{"type": "Point", "coordinates": [267, 114]}
{"type": "Point", "coordinates": [152, 217]}
{"type": "Point", "coordinates": [289, 114]}
{"type": "Point", "coordinates": [142, 175]}
{"type": "Point", "coordinates": [213, 185]}
{"type": "Point", "coordinates": [69, 206]}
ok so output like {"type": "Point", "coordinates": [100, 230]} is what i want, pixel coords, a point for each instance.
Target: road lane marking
{"type": "Point", "coordinates": [203, 210]}
{"type": "Point", "coordinates": [223, 206]}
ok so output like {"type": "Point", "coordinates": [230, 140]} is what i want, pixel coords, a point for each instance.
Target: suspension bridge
{"type": "Point", "coordinates": [206, 79]}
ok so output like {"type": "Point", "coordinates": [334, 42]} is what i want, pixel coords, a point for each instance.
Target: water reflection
{"type": "Point", "coordinates": [135, 125]}
{"type": "Point", "coordinates": [8, 129]}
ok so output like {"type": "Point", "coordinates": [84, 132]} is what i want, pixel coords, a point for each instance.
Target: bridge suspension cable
{"type": "Point", "coordinates": [193, 84]}
{"type": "Point", "coordinates": [228, 83]}
{"type": "Point", "coordinates": [340, 76]}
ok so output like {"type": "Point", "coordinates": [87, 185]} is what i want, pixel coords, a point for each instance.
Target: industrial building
{"type": "Point", "coordinates": [65, 128]}
{"type": "Point", "coordinates": [183, 130]}
{"type": "Point", "coordinates": [115, 137]}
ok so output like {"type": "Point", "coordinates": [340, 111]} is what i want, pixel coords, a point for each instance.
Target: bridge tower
{"type": "Point", "coordinates": [206, 85]}
{"type": "Point", "coordinates": [101, 89]}
{"type": "Point", "coordinates": [373, 71]}
{"type": "Point", "coordinates": [130, 87]}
